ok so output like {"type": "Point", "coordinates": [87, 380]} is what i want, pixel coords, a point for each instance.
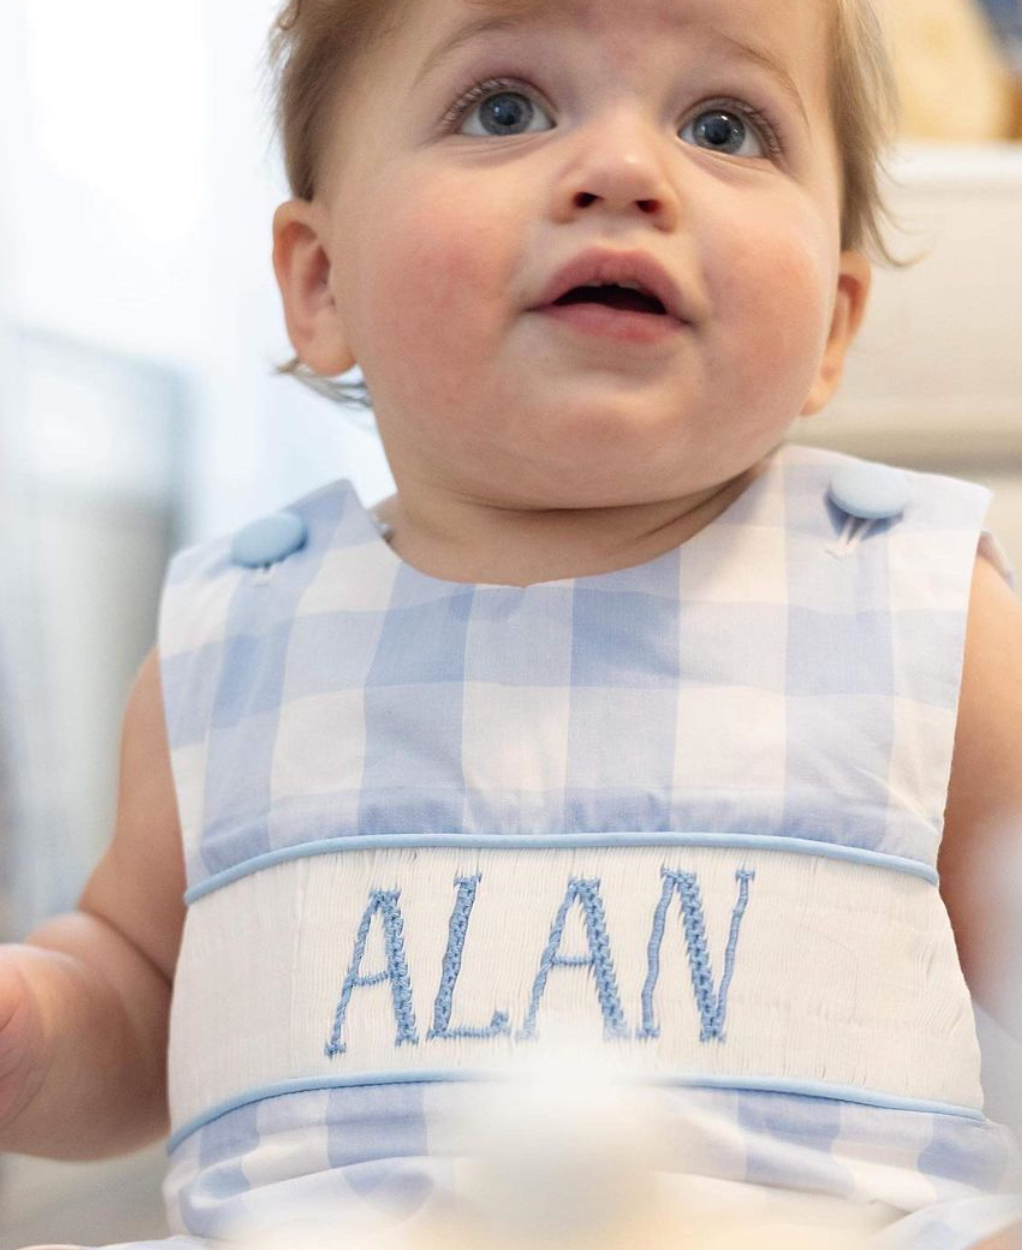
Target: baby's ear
{"type": "Point", "coordinates": [854, 278]}
{"type": "Point", "coordinates": [302, 265]}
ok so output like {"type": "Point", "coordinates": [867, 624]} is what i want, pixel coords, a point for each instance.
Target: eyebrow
{"type": "Point", "coordinates": [471, 31]}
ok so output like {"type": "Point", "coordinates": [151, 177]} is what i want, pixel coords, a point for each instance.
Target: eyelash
{"type": "Point", "coordinates": [769, 130]}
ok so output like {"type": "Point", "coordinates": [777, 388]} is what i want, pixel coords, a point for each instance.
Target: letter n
{"type": "Point", "coordinates": [712, 1005]}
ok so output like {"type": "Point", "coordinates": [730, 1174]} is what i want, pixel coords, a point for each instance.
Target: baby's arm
{"type": "Point", "coordinates": [84, 1001]}
{"type": "Point", "coordinates": [983, 818]}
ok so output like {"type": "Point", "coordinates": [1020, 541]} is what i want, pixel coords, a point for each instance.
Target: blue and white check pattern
{"type": "Point", "coordinates": [738, 683]}
{"type": "Point", "coordinates": [750, 681]}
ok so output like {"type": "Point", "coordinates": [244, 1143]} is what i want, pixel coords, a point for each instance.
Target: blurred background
{"type": "Point", "coordinates": [139, 326]}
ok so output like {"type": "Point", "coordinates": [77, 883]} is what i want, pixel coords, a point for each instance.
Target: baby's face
{"type": "Point", "coordinates": [624, 126]}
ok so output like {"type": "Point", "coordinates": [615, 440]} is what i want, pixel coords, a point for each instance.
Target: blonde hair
{"type": "Point", "coordinates": [314, 46]}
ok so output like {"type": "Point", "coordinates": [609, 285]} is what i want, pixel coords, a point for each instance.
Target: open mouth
{"type": "Point", "coordinates": [622, 298]}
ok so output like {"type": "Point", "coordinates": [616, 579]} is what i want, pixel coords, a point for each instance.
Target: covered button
{"type": "Point", "coordinates": [268, 540]}
{"type": "Point", "coordinates": [873, 492]}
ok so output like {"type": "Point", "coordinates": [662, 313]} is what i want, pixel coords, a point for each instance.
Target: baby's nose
{"type": "Point", "coordinates": [621, 170]}
{"type": "Point", "coordinates": [585, 198]}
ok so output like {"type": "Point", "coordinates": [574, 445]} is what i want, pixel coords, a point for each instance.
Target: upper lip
{"type": "Point", "coordinates": [602, 266]}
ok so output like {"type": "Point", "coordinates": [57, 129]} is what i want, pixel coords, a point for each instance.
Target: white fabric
{"type": "Point", "coordinates": [827, 964]}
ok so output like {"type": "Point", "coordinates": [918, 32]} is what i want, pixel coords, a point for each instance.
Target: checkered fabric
{"type": "Point", "coordinates": [754, 681]}
{"type": "Point", "coordinates": [736, 683]}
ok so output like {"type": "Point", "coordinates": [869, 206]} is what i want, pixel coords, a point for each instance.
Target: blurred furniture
{"type": "Point", "coordinates": [953, 43]}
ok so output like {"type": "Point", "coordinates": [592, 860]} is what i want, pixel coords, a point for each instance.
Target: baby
{"type": "Point", "coordinates": [623, 725]}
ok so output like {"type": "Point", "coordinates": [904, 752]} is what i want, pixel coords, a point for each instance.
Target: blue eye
{"type": "Point", "coordinates": [509, 108]}
{"type": "Point", "coordinates": [506, 108]}
{"type": "Point", "coordinates": [724, 128]}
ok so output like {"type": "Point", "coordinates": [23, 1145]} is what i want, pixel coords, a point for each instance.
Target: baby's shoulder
{"type": "Point", "coordinates": [264, 540]}
{"type": "Point", "coordinates": [202, 581]}
{"type": "Point", "coordinates": [807, 469]}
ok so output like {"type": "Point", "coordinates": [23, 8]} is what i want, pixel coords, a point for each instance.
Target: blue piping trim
{"type": "Point", "coordinates": [806, 1089]}
{"type": "Point", "coordinates": [559, 842]}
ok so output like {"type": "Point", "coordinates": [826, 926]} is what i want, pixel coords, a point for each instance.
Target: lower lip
{"type": "Point", "coordinates": [615, 323]}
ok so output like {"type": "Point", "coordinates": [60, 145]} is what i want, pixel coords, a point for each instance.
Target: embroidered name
{"type": "Point", "coordinates": [712, 1007]}
{"type": "Point", "coordinates": [467, 887]}
{"type": "Point", "coordinates": [583, 900]}
{"type": "Point", "coordinates": [384, 903]}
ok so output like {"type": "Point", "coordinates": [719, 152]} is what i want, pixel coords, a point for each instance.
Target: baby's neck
{"type": "Point", "coordinates": [493, 546]}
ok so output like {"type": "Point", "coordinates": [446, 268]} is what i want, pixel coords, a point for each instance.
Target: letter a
{"type": "Point", "coordinates": [587, 895]}
{"type": "Point", "coordinates": [384, 902]}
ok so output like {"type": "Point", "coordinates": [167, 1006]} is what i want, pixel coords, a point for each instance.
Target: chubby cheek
{"type": "Point", "coordinates": [773, 299]}
{"type": "Point", "coordinates": [432, 282]}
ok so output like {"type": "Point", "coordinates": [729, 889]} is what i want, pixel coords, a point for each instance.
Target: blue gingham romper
{"type": "Point", "coordinates": [690, 809]}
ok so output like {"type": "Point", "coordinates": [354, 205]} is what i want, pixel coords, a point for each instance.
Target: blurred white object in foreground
{"type": "Point", "coordinates": [564, 1158]}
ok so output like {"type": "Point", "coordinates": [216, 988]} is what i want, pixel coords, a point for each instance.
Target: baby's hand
{"type": "Point", "coordinates": [20, 1037]}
